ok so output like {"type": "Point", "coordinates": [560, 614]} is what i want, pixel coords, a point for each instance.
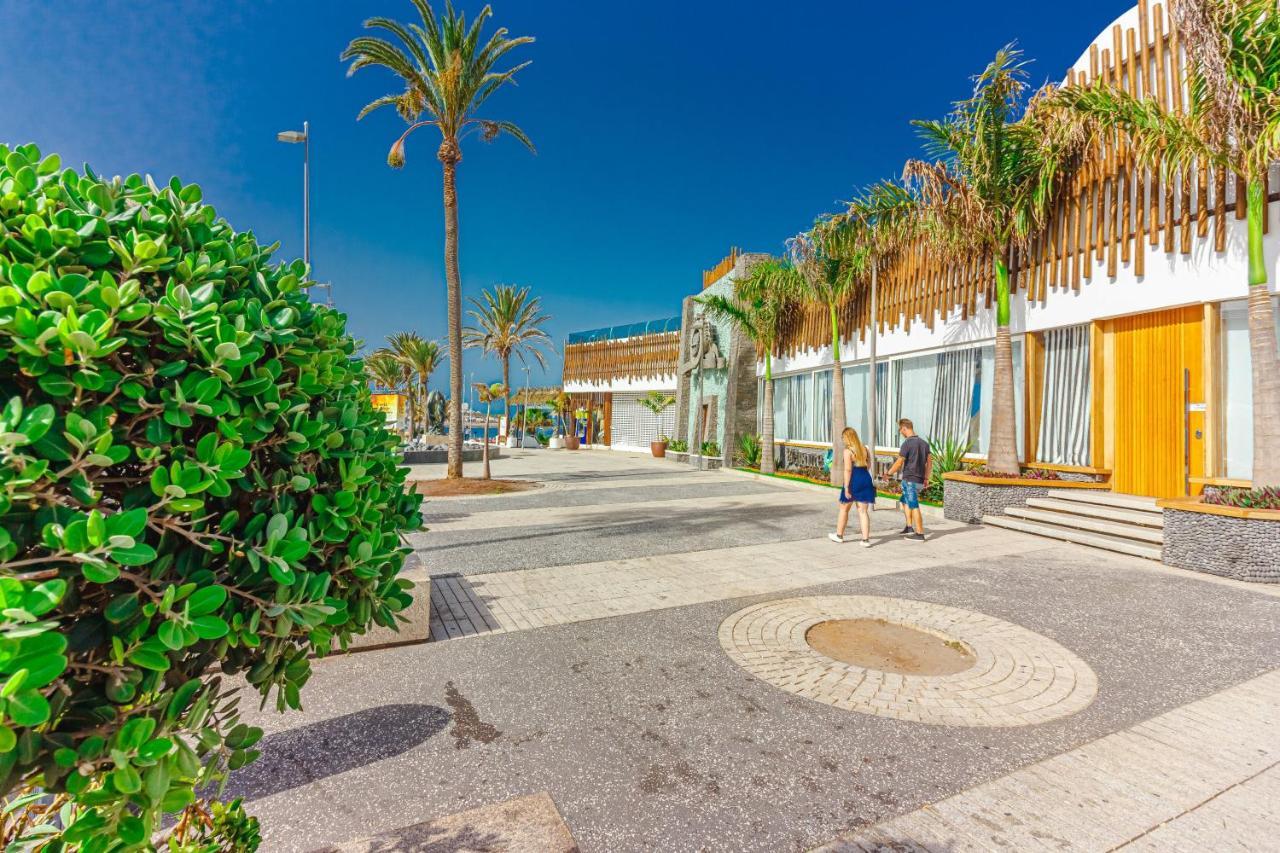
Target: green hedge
{"type": "Point", "coordinates": [192, 481]}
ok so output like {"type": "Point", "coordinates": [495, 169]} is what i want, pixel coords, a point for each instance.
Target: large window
{"type": "Point", "coordinates": [1065, 413]}
{"type": "Point", "coordinates": [936, 391]}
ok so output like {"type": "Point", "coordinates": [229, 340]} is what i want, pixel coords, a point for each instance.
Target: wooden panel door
{"type": "Point", "coordinates": [1158, 371]}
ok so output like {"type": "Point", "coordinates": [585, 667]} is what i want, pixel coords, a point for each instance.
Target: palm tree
{"type": "Point", "coordinates": [507, 323]}
{"type": "Point", "coordinates": [657, 402]}
{"type": "Point", "coordinates": [403, 347]}
{"type": "Point", "coordinates": [879, 222]}
{"type": "Point", "coordinates": [999, 166]}
{"type": "Point", "coordinates": [448, 72]}
{"type": "Point", "coordinates": [1233, 48]}
{"type": "Point", "coordinates": [828, 278]}
{"type": "Point", "coordinates": [760, 304]}
{"type": "Point", "coordinates": [424, 357]}
{"type": "Point", "coordinates": [383, 369]}
{"type": "Point", "coordinates": [487, 394]}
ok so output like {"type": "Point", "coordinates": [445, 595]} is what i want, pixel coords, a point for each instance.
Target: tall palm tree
{"type": "Point", "coordinates": [828, 278]}
{"type": "Point", "coordinates": [448, 72]}
{"type": "Point", "coordinates": [998, 168]}
{"type": "Point", "coordinates": [508, 321]}
{"type": "Point", "coordinates": [424, 356]}
{"type": "Point", "coordinates": [877, 224]}
{"type": "Point", "coordinates": [759, 307]}
{"type": "Point", "coordinates": [487, 394]}
{"type": "Point", "coordinates": [1233, 122]}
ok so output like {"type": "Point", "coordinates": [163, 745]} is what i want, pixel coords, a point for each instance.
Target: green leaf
{"type": "Point", "coordinates": [27, 708]}
{"type": "Point", "coordinates": [8, 740]}
{"type": "Point", "coordinates": [170, 633]}
{"type": "Point", "coordinates": [148, 659]}
{"type": "Point", "coordinates": [209, 627]}
{"type": "Point", "coordinates": [139, 554]}
{"type": "Point", "coordinates": [206, 600]}
{"type": "Point", "coordinates": [97, 572]}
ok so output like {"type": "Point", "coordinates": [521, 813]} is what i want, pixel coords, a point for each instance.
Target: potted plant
{"type": "Point", "coordinates": [658, 402]}
{"type": "Point", "coordinates": [571, 441]}
{"type": "Point", "coordinates": [559, 403]}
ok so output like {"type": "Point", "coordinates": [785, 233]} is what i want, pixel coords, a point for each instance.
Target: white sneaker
{"type": "Point", "coordinates": [836, 537]}
{"type": "Point", "coordinates": [866, 543]}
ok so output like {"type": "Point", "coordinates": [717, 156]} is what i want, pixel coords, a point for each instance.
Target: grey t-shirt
{"type": "Point", "coordinates": [915, 450]}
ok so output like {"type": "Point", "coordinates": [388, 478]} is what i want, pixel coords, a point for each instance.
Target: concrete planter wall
{"type": "Point", "coordinates": [705, 463]}
{"type": "Point", "coordinates": [678, 455]}
{"type": "Point", "coordinates": [968, 498]}
{"type": "Point", "coordinates": [416, 628]}
{"type": "Point", "coordinates": [434, 457]}
{"type": "Point", "coordinates": [1243, 544]}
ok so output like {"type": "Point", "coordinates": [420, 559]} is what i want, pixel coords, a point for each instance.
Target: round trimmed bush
{"type": "Point", "coordinates": [192, 481]}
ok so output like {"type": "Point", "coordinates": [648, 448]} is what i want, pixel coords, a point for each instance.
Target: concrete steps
{"type": "Point", "coordinates": [1127, 524]}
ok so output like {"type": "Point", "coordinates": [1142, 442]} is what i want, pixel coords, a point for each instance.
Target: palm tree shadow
{"type": "Point", "coordinates": [306, 754]}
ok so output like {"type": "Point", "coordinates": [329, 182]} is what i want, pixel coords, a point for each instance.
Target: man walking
{"type": "Point", "coordinates": [916, 465]}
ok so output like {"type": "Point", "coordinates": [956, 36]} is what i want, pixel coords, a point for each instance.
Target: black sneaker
{"type": "Point", "coordinates": [915, 537]}
{"type": "Point", "coordinates": [906, 529]}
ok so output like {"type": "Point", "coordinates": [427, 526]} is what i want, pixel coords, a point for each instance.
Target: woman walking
{"type": "Point", "coordinates": [858, 488]}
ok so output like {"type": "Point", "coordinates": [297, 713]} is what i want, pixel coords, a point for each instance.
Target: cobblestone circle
{"type": "Point", "coordinates": [1019, 678]}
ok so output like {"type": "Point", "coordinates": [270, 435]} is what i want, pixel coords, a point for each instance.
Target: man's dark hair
{"type": "Point", "coordinates": [905, 423]}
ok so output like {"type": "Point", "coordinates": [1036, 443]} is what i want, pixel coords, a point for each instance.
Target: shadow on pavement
{"type": "Point", "coordinates": [306, 754]}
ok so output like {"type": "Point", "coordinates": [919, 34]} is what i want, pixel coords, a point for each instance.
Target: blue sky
{"type": "Point", "coordinates": [666, 132]}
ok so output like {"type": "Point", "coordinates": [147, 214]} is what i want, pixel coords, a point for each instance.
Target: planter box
{"type": "Point", "coordinates": [1243, 544]}
{"type": "Point", "coordinates": [968, 498]}
{"type": "Point", "coordinates": [680, 456]}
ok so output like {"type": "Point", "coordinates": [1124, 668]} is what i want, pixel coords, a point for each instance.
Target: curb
{"type": "Point", "coordinates": [882, 503]}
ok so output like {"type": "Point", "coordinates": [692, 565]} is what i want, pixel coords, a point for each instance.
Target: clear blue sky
{"type": "Point", "coordinates": [666, 132]}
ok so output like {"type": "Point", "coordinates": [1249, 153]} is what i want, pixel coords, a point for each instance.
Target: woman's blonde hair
{"type": "Point", "coordinates": [851, 441]}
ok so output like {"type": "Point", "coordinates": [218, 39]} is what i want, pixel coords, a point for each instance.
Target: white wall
{"type": "Point", "coordinates": [652, 383]}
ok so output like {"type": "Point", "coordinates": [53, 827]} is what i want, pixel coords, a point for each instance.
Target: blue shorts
{"type": "Point", "coordinates": [911, 494]}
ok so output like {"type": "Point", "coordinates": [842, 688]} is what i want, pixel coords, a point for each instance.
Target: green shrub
{"type": "Point", "coordinates": [192, 480]}
{"type": "Point", "coordinates": [948, 455]}
{"type": "Point", "coordinates": [678, 445]}
{"type": "Point", "coordinates": [749, 449]}
{"type": "Point", "coordinates": [709, 448]}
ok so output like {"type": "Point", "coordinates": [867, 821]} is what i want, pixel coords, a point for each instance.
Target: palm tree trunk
{"type": "Point", "coordinates": [408, 394]}
{"type": "Point", "coordinates": [506, 397]}
{"type": "Point", "coordinates": [837, 404]}
{"type": "Point", "coordinates": [485, 472]}
{"type": "Point", "coordinates": [1002, 453]}
{"type": "Point", "coordinates": [1262, 352]}
{"type": "Point", "coordinates": [453, 285]}
{"type": "Point", "coordinates": [766, 424]}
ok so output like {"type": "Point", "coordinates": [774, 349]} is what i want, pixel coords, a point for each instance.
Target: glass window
{"type": "Point", "coordinates": [1238, 388]}
{"type": "Point", "coordinates": [855, 399]}
{"type": "Point", "coordinates": [780, 397]}
{"type": "Point", "coordinates": [820, 427]}
{"type": "Point", "coordinates": [914, 385]}
{"type": "Point", "coordinates": [988, 378]}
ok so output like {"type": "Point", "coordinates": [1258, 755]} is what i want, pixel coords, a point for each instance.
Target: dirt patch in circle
{"type": "Point", "coordinates": [470, 487]}
{"type": "Point", "coordinates": [888, 647]}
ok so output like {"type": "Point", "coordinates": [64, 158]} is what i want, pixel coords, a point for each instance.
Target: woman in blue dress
{"type": "Point", "coordinates": [858, 488]}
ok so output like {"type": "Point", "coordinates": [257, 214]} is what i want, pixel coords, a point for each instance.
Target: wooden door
{"type": "Point", "coordinates": [1158, 426]}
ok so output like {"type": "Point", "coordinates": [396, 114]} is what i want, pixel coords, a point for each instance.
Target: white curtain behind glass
{"type": "Point", "coordinates": [1239, 388]}
{"type": "Point", "coordinates": [780, 398]}
{"type": "Point", "coordinates": [855, 398]}
{"type": "Point", "coordinates": [1065, 413]}
{"type": "Point", "coordinates": [914, 385]}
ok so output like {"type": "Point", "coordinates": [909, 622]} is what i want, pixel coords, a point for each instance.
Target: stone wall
{"type": "Point", "coordinates": [1246, 549]}
{"type": "Point", "coordinates": [969, 502]}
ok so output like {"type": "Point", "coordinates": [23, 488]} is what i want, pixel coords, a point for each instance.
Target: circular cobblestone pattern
{"type": "Point", "coordinates": [1018, 677]}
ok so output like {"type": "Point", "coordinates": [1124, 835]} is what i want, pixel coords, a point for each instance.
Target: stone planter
{"type": "Point", "coordinates": [416, 628]}
{"type": "Point", "coordinates": [968, 498]}
{"type": "Point", "coordinates": [679, 456]}
{"type": "Point", "coordinates": [571, 442]}
{"type": "Point", "coordinates": [1222, 540]}
{"type": "Point", "coordinates": [705, 463]}
{"type": "Point", "coordinates": [435, 457]}
{"type": "Point", "coordinates": [658, 449]}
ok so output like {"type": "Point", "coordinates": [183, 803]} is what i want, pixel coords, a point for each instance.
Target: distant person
{"type": "Point", "coordinates": [916, 464]}
{"type": "Point", "coordinates": [858, 488]}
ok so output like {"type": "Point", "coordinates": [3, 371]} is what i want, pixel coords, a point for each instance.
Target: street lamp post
{"type": "Point", "coordinates": [294, 137]}
{"type": "Point", "coordinates": [524, 413]}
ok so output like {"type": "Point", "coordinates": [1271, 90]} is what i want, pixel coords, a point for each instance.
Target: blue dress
{"type": "Point", "coordinates": [860, 487]}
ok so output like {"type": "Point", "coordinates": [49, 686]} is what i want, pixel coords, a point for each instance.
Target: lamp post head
{"type": "Point", "coordinates": [292, 136]}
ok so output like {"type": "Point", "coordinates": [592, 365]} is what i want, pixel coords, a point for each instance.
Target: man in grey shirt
{"type": "Point", "coordinates": [916, 465]}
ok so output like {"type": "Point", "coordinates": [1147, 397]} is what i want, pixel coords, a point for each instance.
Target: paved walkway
{"type": "Point", "coordinates": [580, 652]}
{"type": "Point", "coordinates": [1205, 776]}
